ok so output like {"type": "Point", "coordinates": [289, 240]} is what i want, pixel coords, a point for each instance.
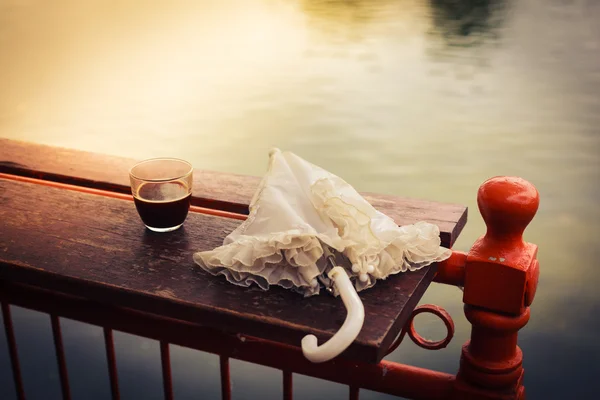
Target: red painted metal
{"type": "Point", "coordinates": [386, 377]}
{"type": "Point", "coordinates": [443, 315]}
{"type": "Point", "coordinates": [225, 378]}
{"type": "Point", "coordinates": [165, 360]}
{"type": "Point", "coordinates": [418, 339]}
{"type": "Point", "coordinates": [109, 344]}
{"type": "Point", "coordinates": [288, 386]}
{"type": "Point", "coordinates": [12, 349]}
{"type": "Point", "coordinates": [501, 275]}
{"type": "Point", "coordinates": [452, 270]}
{"type": "Point", "coordinates": [354, 392]}
{"type": "Point", "coordinates": [60, 357]}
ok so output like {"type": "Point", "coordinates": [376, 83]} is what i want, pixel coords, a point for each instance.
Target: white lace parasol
{"type": "Point", "coordinates": [299, 215]}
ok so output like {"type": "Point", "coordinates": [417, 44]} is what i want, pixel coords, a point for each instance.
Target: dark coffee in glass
{"type": "Point", "coordinates": [162, 190]}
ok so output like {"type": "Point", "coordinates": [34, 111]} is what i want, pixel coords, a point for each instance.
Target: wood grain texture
{"type": "Point", "coordinates": [96, 247]}
{"type": "Point", "coordinates": [211, 189]}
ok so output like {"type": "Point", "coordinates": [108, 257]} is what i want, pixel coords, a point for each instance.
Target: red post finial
{"type": "Point", "coordinates": [507, 204]}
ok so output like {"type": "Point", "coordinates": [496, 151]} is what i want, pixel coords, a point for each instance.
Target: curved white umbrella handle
{"type": "Point", "coordinates": [349, 330]}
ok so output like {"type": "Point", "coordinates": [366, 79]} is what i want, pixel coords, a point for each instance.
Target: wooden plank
{"type": "Point", "coordinates": [211, 189]}
{"type": "Point", "coordinates": [97, 248]}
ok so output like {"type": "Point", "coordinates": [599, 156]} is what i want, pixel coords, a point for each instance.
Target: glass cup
{"type": "Point", "coordinates": [162, 189]}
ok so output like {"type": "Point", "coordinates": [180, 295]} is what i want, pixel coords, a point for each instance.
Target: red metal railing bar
{"type": "Point", "coordinates": [165, 360]}
{"type": "Point", "coordinates": [60, 357]}
{"type": "Point", "coordinates": [225, 378]}
{"type": "Point", "coordinates": [354, 392]}
{"type": "Point", "coordinates": [386, 377]}
{"type": "Point", "coordinates": [288, 386]}
{"type": "Point", "coordinates": [112, 363]}
{"type": "Point", "coordinates": [116, 195]}
{"type": "Point", "coordinates": [452, 270]}
{"type": "Point", "coordinates": [12, 349]}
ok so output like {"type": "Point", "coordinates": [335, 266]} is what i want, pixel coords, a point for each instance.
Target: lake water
{"type": "Point", "coordinates": [416, 98]}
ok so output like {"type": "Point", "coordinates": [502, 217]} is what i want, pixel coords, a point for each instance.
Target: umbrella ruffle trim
{"type": "Point", "coordinates": [294, 260]}
{"type": "Point", "coordinates": [393, 249]}
{"type": "Point", "coordinates": [288, 259]}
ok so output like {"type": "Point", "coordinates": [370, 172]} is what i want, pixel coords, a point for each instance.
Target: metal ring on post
{"type": "Point", "coordinates": [429, 344]}
{"type": "Point", "coordinates": [418, 339]}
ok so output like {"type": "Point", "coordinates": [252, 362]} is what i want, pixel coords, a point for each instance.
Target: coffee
{"type": "Point", "coordinates": [162, 205]}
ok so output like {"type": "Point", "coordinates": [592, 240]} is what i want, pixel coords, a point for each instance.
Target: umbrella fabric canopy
{"type": "Point", "coordinates": [297, 210]}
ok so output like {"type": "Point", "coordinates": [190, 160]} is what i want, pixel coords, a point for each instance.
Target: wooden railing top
{"type": "Point", "coordinates": [95, 247]}
{"type": "Point", "coordinates": [211, 189]}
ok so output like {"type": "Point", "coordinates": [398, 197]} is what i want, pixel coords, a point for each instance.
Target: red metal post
{"type": "Point", "coordinates": [353, 392]}
{"type": "Point", "coordinates": [225, 378]}
{"type": "Point", "coordinates": [12, 349]}
{"type": "Point", "coordinates": [112, 363]}
{"type": "Point", "coordinates": [165, 360]}
{"type": "Point", "coordinates": [288, 386]}
{"type": "Point", "coordinates": [60, 357]}
{"type": "Point", "coordinates": [500, 278]}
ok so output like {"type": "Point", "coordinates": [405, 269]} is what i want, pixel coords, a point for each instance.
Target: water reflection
{"type": "Point", "coordinates": [468, 22]}
{"type": "Point", "coordinates": [408, 97]}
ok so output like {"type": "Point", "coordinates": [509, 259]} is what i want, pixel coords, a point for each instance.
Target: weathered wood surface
{"type": "Point", "coordinates": [97, 248]}
{"type": "Point", "coordinates": [218, 190]}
